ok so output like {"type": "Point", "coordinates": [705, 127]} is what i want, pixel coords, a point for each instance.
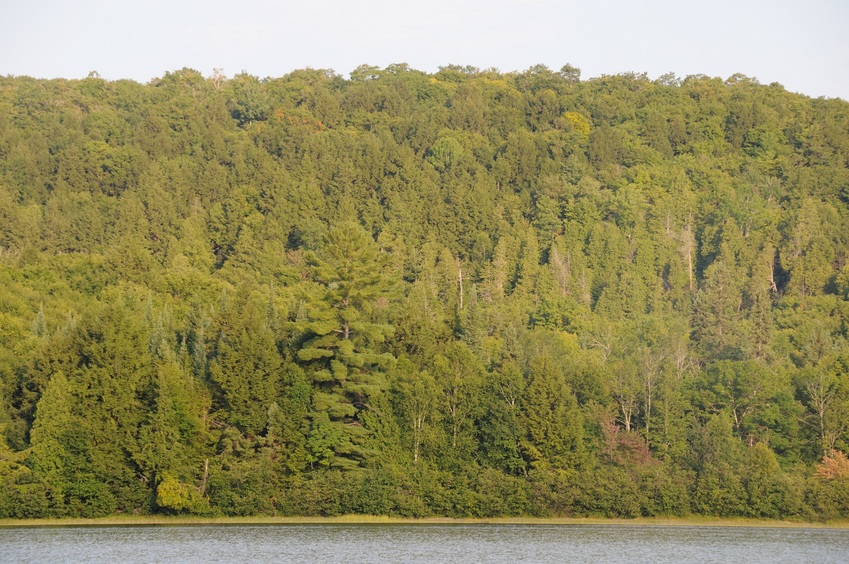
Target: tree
{"type": "Point", "coordinates": [826, 397]}
{"type": "Point", "coordinates": [742, 389]}
{"type": "Point", "coordinates": [53, 419]}
{"type": "Point", "coordinates": [716, 456]}
{"type": "Point", "coordinates": [457, 373]}
{"type": "Point", "coordinates": [247, 99]}
{"type": "Point", "coordinates": [809, 256]}
{"type": "Point", "coordinates": [499, 424]}
{"type": "Point", "coordinates": [717, 305]}
{"type": "Point", "coordinates": [551, 419]}
{"type": "Point", "coordinates": [245, 367]}
{"type": "Point", "coordinates": [341, 329]}
{"type": "Point", "coordinates": [417, 395]}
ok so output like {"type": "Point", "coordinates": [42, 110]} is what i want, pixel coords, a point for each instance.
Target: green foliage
{"type": "Point", "coordinates": [245, 368]}
{"type": "Point", "coordinates": [551, 419]}
{"type": "Point", "coordinates": [465, 293]}
{"type": "Point", "coordinates": [171, 495]}
{"type": "Point", "coordinates": [340, 332]}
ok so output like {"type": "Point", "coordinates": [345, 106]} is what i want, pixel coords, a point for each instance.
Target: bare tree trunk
{"type": "Point", "coordinates": [417, 437]}
{"type": "Point", "coordinates": [460, 280]}
{"type": "Point", "coordinates": [687, 247]}
{"type": "Point", "coordinates": [627, 411]}
{"type": "Point", "coordinates": [205, 477]}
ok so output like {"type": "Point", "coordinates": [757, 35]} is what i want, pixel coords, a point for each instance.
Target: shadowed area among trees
{"type": "Point", "coordinates": [467, 293]}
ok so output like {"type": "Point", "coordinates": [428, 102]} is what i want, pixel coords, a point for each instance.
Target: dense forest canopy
{"type": "Point", "coordinates": [466, 293]}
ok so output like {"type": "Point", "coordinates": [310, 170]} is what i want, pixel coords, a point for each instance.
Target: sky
{"type": "Point", "coordinates": [801, 44]}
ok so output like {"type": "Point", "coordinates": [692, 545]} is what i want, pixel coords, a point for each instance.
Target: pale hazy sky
{"type": "Point", "coordinates": [803, 44]}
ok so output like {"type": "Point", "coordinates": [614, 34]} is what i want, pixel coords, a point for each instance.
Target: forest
{"type": "Point", "coordinates": [466, 293]}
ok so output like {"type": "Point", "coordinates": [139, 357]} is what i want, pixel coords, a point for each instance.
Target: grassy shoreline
{"type": "Point", "coordinates": [162, 520]}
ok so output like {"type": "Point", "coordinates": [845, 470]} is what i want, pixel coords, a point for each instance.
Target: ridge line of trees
{"type": "Point", "coordinates": [464, 293]}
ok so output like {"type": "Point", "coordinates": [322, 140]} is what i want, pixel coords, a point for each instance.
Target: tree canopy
{"type": "Point", "coordinates": [465, 293]}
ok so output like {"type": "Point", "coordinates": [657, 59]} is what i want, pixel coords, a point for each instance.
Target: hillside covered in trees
{"type": "Point", "coordinates": [467, 293]}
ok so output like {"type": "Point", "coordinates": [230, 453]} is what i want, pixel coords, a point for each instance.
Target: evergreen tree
{"type": "Point", "coordinates": [342, 335]}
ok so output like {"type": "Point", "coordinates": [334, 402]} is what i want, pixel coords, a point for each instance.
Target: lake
{"type": "Point", "coordinates": [422, 543]}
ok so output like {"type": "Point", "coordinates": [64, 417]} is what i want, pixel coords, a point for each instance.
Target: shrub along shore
{"type": "Point", "coordinates": [192, 520]}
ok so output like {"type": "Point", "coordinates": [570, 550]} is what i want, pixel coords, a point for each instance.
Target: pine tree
{"type": "Point", "coordinates": [342, 334]}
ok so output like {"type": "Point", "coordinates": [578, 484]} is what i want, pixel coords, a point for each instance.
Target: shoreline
{"type": "Point", "coordinates": [177, 520]}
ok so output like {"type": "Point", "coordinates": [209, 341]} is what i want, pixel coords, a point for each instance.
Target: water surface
{"type": "Point", "coordinates": [497, 543]}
